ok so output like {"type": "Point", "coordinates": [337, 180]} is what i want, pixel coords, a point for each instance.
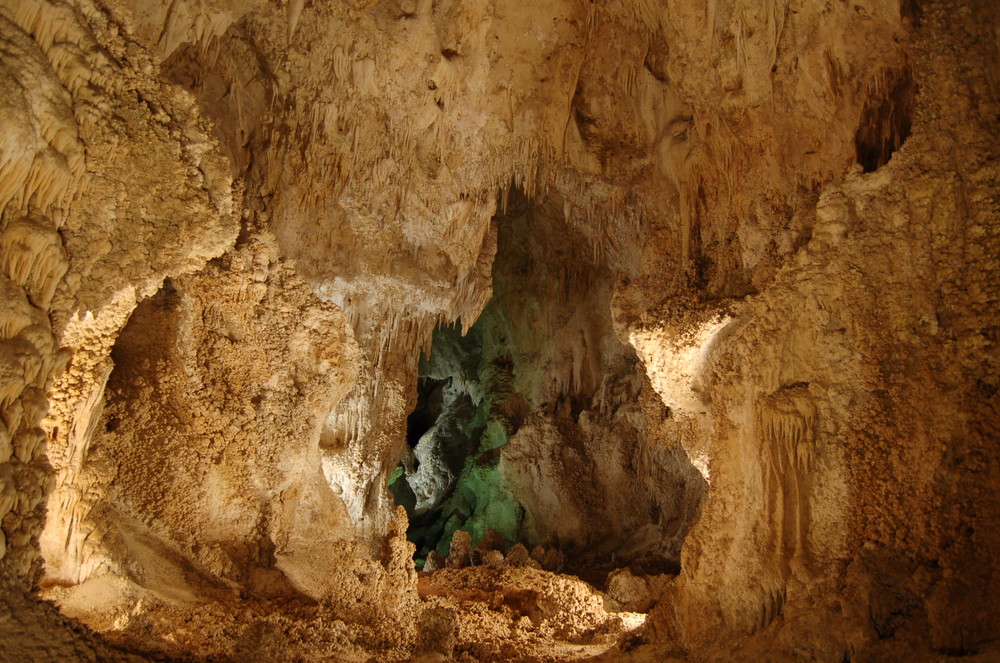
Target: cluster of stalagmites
{"type": "Point", "coordinates": [490, 552]}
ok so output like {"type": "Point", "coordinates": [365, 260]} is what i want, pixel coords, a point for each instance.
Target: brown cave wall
{"type": "Point", "coordinates": [833, 518]}
{"type": "Point", "coordinates": [198, 458]}
{"type": "Point", "coordinates": [110, 183]}
{"type": "Point", "coordinates": [36, 175]}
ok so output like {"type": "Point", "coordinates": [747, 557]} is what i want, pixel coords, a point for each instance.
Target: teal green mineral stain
{"type": "Point", "coordinates": [479, 499]}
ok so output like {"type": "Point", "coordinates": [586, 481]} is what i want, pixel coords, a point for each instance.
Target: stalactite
{"type": "Point", "coordinates": [785, 428]}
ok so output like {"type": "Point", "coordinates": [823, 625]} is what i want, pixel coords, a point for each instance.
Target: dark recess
{"type": "Point", "coordinates": [886, 119]}
{"type": "Point", "coordinates": [427, 411]}
{"type": "Point", "coordinates": [911, 10]}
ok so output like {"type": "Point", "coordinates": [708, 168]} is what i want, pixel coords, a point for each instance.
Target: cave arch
{"type": "Point", "coordinates": [539, 423]}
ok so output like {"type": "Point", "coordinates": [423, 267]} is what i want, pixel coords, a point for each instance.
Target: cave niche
{"type": "Point", "coordinates": [886, 119]}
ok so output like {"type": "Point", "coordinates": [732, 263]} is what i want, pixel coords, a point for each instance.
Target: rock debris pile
{"type": "Point", "coordinates": [490, 552]}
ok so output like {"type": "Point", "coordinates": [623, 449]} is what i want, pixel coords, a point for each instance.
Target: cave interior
{"type": "Point", "coordinates": [482, 330]}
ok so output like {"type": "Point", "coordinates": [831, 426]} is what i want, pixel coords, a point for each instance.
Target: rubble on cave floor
{"type": "Point", "coordinates": [517, 613]}
{"type": "Point", "coordinates": [506, 611]}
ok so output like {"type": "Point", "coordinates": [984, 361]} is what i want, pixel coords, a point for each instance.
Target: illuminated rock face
{"type": "Point", "coordinates": [105, 188]}
{"type": "Point", "coordinates": [732, 268]}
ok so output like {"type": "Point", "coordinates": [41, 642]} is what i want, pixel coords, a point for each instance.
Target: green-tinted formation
{"type": "Point", "coordinates": [542, 352]}
{"type": "Point", "coordinates": [463, 368]}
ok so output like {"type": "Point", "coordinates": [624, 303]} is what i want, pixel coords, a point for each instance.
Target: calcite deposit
{"type": "Point", "coordinates": [483, 330]}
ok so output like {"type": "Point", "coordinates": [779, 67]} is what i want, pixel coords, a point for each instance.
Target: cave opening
{"type": "Point", "coordinates": [538, 424]}
{"type": "Point", "coordinates": [448, 479]}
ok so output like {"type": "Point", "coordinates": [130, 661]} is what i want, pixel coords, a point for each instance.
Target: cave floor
{"type": "Point", "coordinates": [469, 614]}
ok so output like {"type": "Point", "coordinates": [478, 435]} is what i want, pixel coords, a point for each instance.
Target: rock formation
{"type": "Point", "coordinates": [636, 285]}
